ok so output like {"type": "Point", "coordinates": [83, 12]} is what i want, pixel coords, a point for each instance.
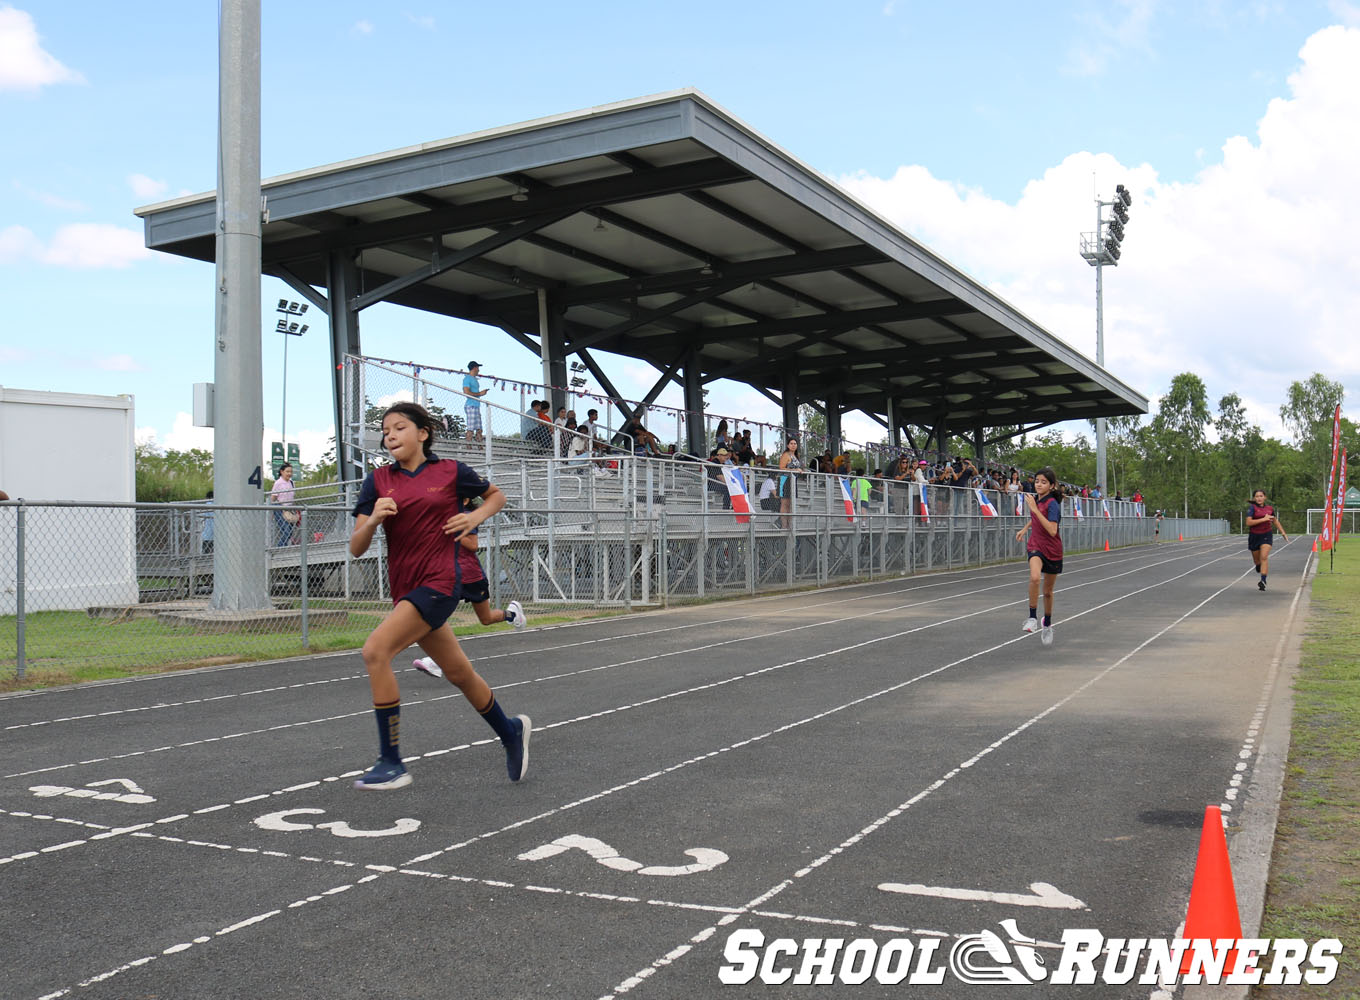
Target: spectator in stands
{"type": "Point", "coordinates": [472, 409]}
{"type": "Point", "coordinates": [860, 490]}
{"type": "Point", "coordinates": [1137, 495]}
{"type": "Point", "coordinates": [282, 494]}
{"type": "Point", "coordinates": [745, 447]}
{"type": "Point", "coordinates": [539, 431]}
{"type": "Point", "coordinates": [768, 488]}
{"type": "Point", "coordinates": [1013, 483]}
{"type": "Point", "coordinates": [919, 475]}
{"type": "Point", "coordinates": [627, 435]}
{"type": "Point", "coordinates": [1096, 494]}
{"type": "Point", "coordinates": [529, 420]}
{"type": "Point", "coordinates": [1085, 492]}
{"type": "Point", "coordinates": [899, 497]}
{"type": "Point", "coordinates": [790, 465]}
{"type": "Point", "coordinates": [713, 481]}
{"type": "Point", "coordinates": [720, 437]}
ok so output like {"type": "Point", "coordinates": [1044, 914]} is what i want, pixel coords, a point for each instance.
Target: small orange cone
{"type": "Point", "coordinates": [1180, 538]}
{"type": "Point", "coordinates": [1314, 544]}
{"type": "Point", "coordinates": [1213, 901]}
{"type": "Point", "coordinates": [1107, 545]}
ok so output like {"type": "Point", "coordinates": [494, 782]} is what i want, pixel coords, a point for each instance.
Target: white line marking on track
{"type": "Point", "coordinates": [1142, 567]}
{"type": "Point", "coordinates": [632, 981]}
{"type": "Point", "coordinates": [936, 580]}
{"type": "Point", "coordinates": [709, 686]}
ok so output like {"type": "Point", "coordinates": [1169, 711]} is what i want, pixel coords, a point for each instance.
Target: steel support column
{"type": "Point", "coordinates": [552, 349]}
{"type": "Point", "coordinates": [979, 446]}
{"type": "Point", "coordinates": [342, 282]}
{"type": "Point", "coordinates": [695, 437]}
{"type": "Point", "coordinates": [789, 398]}
{"type": "Point", "coordinates": [238, 441]}
{"type": "Point", "coordinates": [833, 422]}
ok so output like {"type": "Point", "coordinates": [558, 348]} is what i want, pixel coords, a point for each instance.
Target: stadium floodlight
{"type": "Point", "coordinates": [283, 305]}
{"type": "Point", "coordinates": [1099, 249]}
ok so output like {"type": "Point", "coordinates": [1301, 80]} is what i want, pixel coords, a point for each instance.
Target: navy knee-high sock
{"type": "Point", "coordinates": [496, 719]}
{"type": "Point", "coordinates": [389, 730]}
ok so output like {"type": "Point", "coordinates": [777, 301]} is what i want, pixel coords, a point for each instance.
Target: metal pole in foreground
{"type": "Point", "coordinates": [238, 555]}
{"type": "Point", "coordinates": [1100, 361]}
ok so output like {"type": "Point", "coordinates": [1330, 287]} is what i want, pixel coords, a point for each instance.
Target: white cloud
{"type": "Point", "coordinates": [147, 187]}
{"type": "Point", "coordinates": [24, 64]}
{"type": "Point", "coordinates": [50, 200]}
{"type": "Point", "coordinates": [421, 21]}
{"type": "Point", "coordinates": [362, 28]}
{"type": "Point", "coordinates": [82, 246]}
{"type": "Point", "coordinates": [1108, 38]}
{"type": "Point", "coordinates": [1247, 275]}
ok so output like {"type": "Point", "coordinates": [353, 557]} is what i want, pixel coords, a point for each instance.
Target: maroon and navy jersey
{"type": "Point", "coordinates": [1040, 541]}
{"type": "Point", "coordinates": [1265, 527]}
{"type": "Point", "coordinates": [470, 567]}
{"type": "Point", "coordinates": [419, 554]}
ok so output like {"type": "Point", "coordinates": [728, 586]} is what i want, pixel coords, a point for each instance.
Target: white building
{"type": "Point", "coordinates": [67, 447]}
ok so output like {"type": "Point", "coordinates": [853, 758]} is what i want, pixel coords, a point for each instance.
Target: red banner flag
{"type": "Point", "coordinates": [1340, 497]}
{"type": "Point", "coordinates": [1325, 542]}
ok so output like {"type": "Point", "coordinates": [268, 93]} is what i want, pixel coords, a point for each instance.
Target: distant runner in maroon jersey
{"type": "Point", "coordinates": [419, 501]}
{"type": "Point", "coordinates": [1044, 548]}
{"type": "Point", "coordinates": [1260, 519]}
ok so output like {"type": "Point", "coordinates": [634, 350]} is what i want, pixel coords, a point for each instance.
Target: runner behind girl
{"type": "Point", "coordinates": [1044, 548]}
{"type": "Point", "coordinates": [476, 592]}
{"type": "Point", "coordinates": [418, 500]}
{"type": "Point", "coordinates": [1260, 519]}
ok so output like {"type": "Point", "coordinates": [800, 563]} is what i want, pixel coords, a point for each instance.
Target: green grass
{"type": "Point", "coordinates": [69, 647]}
{"type": "Point", "coordinates": [1316, 864]}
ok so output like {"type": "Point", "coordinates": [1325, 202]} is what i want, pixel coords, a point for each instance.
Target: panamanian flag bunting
{"type": "Point", "coordinates": [1105, 509]}
{"type": "Point", "coordinates": [986, 506]}
{"type": "Point", "coordinates": [1077, 512]}
{"type": "Point", "coordinates": [925, 507]}
{"type": "Point", "coordinates": [1019, 505]}
{"type": "Point", "coordinates": [845, 496]}
{"type": "Point", "coordinates": [736, 489]}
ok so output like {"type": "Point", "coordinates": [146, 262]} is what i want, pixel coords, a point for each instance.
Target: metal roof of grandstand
{"type": "Point", "coordinates": [663, 225]}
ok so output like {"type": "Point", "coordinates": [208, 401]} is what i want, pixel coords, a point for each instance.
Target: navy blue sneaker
{"type": "Point", "coordinates": [384, 776]}
{"type": "Point", "coordinates": [517, 750]}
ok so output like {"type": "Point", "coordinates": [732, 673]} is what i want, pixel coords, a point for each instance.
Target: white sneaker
{"type": "Point", "coordinates": [426, 665]}
{"type": "Point", "coordinates": [515, 615]}
{"type": "Point", "coordinates": [1031, 625]}
{"type": "Point", "coordinates": [1046, 635]}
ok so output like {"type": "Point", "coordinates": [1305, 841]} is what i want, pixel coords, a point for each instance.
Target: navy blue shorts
{"type": "Point", "coordinates": [434, 606]}
{"type": "Point", "coordinates": [1254, 542]}
{"type": "Point", "coordinates": [1050, 566]}
{"type": "Point", "coordinates": [476, 592]}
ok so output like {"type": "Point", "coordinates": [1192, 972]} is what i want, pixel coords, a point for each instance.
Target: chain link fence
{"type": "Point", "coordinates": [91, 590]}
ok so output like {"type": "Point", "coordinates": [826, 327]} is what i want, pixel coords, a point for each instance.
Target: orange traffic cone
{"type": "Point", "coordinates": [1180, 538]}
{"type": "Point", "coordinates": [1213, 901]}
{"type": "Point", "coordinates": [1314, 544]}
{"type": "Point", "coordinates": [1107, 545]}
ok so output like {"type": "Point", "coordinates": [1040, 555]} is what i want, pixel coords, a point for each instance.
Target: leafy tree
{"type": "Point", "coordinates": [172, 476]}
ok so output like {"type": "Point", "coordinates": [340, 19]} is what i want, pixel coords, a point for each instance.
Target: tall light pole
{"type": "Point", "coordinates": [288, 329]}
{"type": "Point", "coordinates": [1101, 249]}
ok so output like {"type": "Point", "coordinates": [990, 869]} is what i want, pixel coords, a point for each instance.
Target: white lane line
{"type": "Point", "coordinates": [692, 690]}
{"type": "Point", "coordinates": [1142, 567]}
{"type": "Point", "coordinates": [759, 901]}
{"type": "Point", "coordinates": [937, 580]}
{"type": "Point", "coordinates": [628, 984]}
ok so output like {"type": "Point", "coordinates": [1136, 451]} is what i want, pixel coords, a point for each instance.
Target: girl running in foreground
{"type": "Point", "coordinates": [419, 500]}
{"type": "Point", "coordinates": [1044, 547]}
{"type": "Point", "coordinates": [476, 592]}
{"type": "Point", "coordinates": [1260, 519]}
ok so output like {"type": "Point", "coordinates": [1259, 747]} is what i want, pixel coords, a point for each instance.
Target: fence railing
{"type": "Point", "coordinates": [86, 587]}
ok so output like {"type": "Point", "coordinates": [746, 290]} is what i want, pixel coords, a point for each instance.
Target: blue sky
{"type": "Point", "coordinates": [978, 127]}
